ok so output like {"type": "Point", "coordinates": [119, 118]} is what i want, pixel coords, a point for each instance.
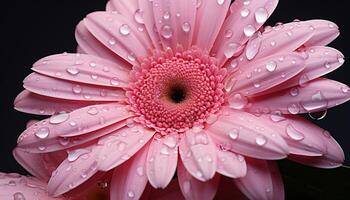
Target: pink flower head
{"type": "Point", "coordinates": [200, 88]}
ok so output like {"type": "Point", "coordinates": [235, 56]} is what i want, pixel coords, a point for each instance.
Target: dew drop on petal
{"type": "Point", "coordinates": [253, 47]}
{"type": "Point", "coordinates": [304, 79]}
{"type": "Point", "coordinates": [293, 109]}
{"type": "Point", "coordinates": [293, 133]}
{"type": "Point", "coordinates": [233, 134]}
{"type": "Point", "coordinates": [18, 196]}
{"type": "Point", "coordinates": [230, 49]}
{"type": "Point", "coordinates": [59, 118]}
{"type": "Point", "coordinates": [260, 140]}
{"type": "Point", "coordinates": [139, 171]}
{"type": "Point", "coordinates": [341, 59]}
{"type": "Point", "coordinates": [75, 154]}
{"type": "Point", "coordinates": [131, 194]}
{"type": "Point", "coordinates": [228, 33]}
{"type": "Point", "coordinates": [294, 92]}
{"type": "Point", "coordinates": [271, 66]}
{"type": "Point", "coordinates": [316, 102]}
{"type": "Point", "coordinates": [73, 70]}
{"type": "Point", "coordinates": [245, 12]}
{"type": "Point", "coordinates": [318, 115]}
{"type": "Point", "coordinates": [277, 116]}
{"type": "Point", "coordinates": [237, 101]}
{"type": "Point", "coordinates": [249, 30]}
{"type": "Point", "coordinates": [138, 16]}
{"type": "Point", "coordinates": [124, 29]}
{"type": "Point", "coordinates": [93, 111]}
{"type": "Point", "coordinates": [166, 31]}
{"type": "Point", "coordinates": [186, 27]}
{"type": "Point", "coordinates": [220, 2]}
{"type": "Point", "coordinates": [261, 15]}
{"type": "Point", "coordinates": [42, 133]}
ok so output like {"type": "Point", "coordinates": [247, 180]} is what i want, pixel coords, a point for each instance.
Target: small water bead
{"type": "Point", "coordinates": [327, 65]}
{"type": "Point", "coordinates": [170, 142]}
{"type": "Point", "coordinates": [316, 102]}
{"type": "Point", "coordinates": [166, 15]}
{"type": "Point", "coordinates": [92, 64]}
{"type": "Point", "coordinates": [64, 141]}
{"type": "Point", "coordinates": [166, 31]}
{"type": "Point", "coordinates": [277, 116]}
{"type": "Point", "coordinates": [289, 33]}
{"type": "Point", "coordinates": [246, 2]}
{"type": "Point", "coordinates": [304, 79]}
{"type": "Point", "coordinates": [249, 30]}
{"type": "Point", "coordinates": [102, 184]}
{"type": "Point", "coordinates": [273, 43]}
{"type": "Point", "coordinates": [131, 194]}
{"type": "Point", "coordinates": [12, 183]}
{"type": "Point", "coordinates": [253, 48]}
{"type": "Point", "coordinates": [257, 85]}
{"type": "Point", "coordinates": [115, 82]}
{"type": "Point", "coordinates": [42, 148]}
{"type": "Point", "coordinates": [18, 196]}
{"type": "Point", "coordinates": [231, 81]}
{"type": "Point", "coordinates": [318, 115]}
{"type": "Point", "coordinates": [93, 111]}
{"type": "Point", "coordinates": [186, 27]}
{"type": "Point", "coordinates": [233, 66]}
{"type": "Point", "coordinates": [230, 49]}
{"type": "Point", "coordinates": [94, 76]}
{"type": "Point", "coordinates": [271, 66]}
{"type": "Point", "coordinates": [293, 133]}
{"type": "Point", "coordinates": [59, 118]}
{"type": "Point", "coordinates": [233, 134]}
{"type": "Point", "coordinates": [293, 109]}
{"type": "Point", "coordinates": [164, 151]}
{"type": "Point", "coordinates": [112, 41]}
{"type": "Point", "coordinates": [201, 138]}
{"type": "Point", "coordinates": [73, 70]}
{"type": "Point", "coordinates": [345, 89]}
{"type": "Point", "coordinates": [131, 57]}
{"type": "Point", "coordinates": [341, 59]}
{"type": "Point", "coordinates": [245, 12]}
{"type": "Point", "coordinates": [198, 3]}
{"type": "Point", "coordinates": [331, 25]}
{"type": "Point", "coordinates": [237, 101]}
{"type": "Point", "coordinates": [42, 133]}
{"type": "Point", "coordinates": [124, 29]}
{"type": "Point", "coordinates": [228, 33]}
{"type": "Point", "coordinates": [220, 2]}
{"type": "Point", "coordinates": [260, 140]}
{"type": "Point", "coordinates": [74, 155]}
{"type": "Point", "coordinates": [261, 15]}
{"type": "Point", "coordinates": [138, 16]}
{"type": "Point", "coordinates": [294, 92]}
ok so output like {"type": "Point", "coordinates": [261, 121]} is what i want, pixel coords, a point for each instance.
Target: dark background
{"type": "Point", "coordinates": [34, 29]}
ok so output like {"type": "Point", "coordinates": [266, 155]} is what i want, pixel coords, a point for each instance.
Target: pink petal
{"type": "Point", "coordinates": [79, 122]}
{"type": "Point", "coordinates": [15, 186]}
{"type": "Point", "coordinates": [248, 135]}
{"type": "Point", "coordinates": [312, 96]}
{"type": "Point", "coordinates": [177, 21]}
{"type": "Point", "coordinates": [263, 181]}
{"type": "Point", "coordinates": [198, 154]}
{"type": "Point", "coordinates": [84, 68]}
{"type": "Point", "coordinates": [162, 160]}
{"type": "Point", "coordinates": [118, 34]}
{"type": "Point", "coordinates": [78, 167]}
{"type": "Point", "coordinates": [266, 73]}
{"type": "Point", "coordinates": [90, 45]}
{"type": "Point", "coordinates": [61, 89]}
{"type": "Point", "coordinates": [242, 22]}
{"type": "Point", "coordinates": [230, 164]}
{"type": "Point", "coordinates": [118, 147]}
{"type": "Point", "coordinates": [110, 6]}
{"type": "Point", "coordinates": [171, 192]}
{"type": "Point", "coordinates": [209, 20]}
{"type": "Point", "coordinates": [146, 12]}
{"type": "Point", "coordinates": [325, 32]}
{"type": "Point", "coordinates": [39, 165]}
{"type": "Point", "coordinates": [129, 180]}
{"type": "Point", "coordinates": [320, 61]}
{"type": "Point", "coordinates": [194, 189]}
{"type": "Point", "coordinates": [29, 102]}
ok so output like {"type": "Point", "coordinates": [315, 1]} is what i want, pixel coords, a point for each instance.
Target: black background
{"type": "Point", "coordinates": [33, 29]}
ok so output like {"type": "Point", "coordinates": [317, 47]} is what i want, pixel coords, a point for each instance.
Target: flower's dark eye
{"type": "Point", "coordinates": [177, 93]}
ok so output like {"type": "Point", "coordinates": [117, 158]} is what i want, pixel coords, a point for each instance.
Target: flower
{"type": "Point", "coordinates": [200, 88]}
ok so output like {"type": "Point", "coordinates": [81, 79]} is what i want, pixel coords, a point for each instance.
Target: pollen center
{"type": "Point", "coordinates": [173, 91]}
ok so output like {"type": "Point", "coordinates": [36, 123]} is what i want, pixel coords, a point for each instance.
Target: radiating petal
{"type": "Point", "coordinates": [245, 19]}
{"type": "Point", "coordinates": [120, 146]}
{"type": "Point", "coordinates": [162, 160]}
{"type": "Point", "coordinates": [61, 89]}
{"type": "Point", "coordinates": [78, 167]}
{"type": "Point", "coordinates": [32, 103]}
{"type": "Point", "coordinates": [266, 73]}
{"type": "Point", "coordinates": [209, 20]}
{"type": "Point", "coordinates": [17, 187]}
{"type": "Point", "coordinates": [312, 96]}
{"type": "Point", "coordinates": [82, 68]}
{"type": "Point", "coordinates": [118, 34]}
{"type": "Point", "coordinates": [194, 189]}
{"type": "Point", "coordinates": [246, 134]}
{"type": "Point", "coordinates": [263, 181]}
{"type": "Point", "coordinates": [129, 180]}
{"type": "Point", "coordinates": [171, 192]}
{"type": "Point", "coordinates": [44, 135]}
{"type": "Point", "coordinates": [230, 164]}
{"type": "Point", "coordinates": [177, 21]}
{"type": "Point", "coordinates": [198, 154]}
{"type": "Point", "coordinates": [325, 32]}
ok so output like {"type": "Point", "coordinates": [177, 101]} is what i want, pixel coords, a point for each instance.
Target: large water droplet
{"type": "Point", "coordinates": [245, 12]}
{"type": "Point", "coordinates": [233, 134]}
{"type": "Point", "coordinates": [271, 66]}
{"type": "Point", "coordinates": [260, 140]}
{"type": "Point", "coordinates": [293, 133]}
{"type": "Point", "coordinates": [186, 27]}
{"type": "Point", "coordinates": [75, 154]}
{"type": "Point", "coordinates": [277, 116]}
{"type": "Point", "coordinates": [249, 30]}
{"type": "Point", "coordinates": [124, 29]}
{"type": "Point", "coordinates": [261, 15]}
{"type": "Point", "coordinates": [253, 48]}
{"type": "Point", "coordinates": [138, 16]}
{"type": "Point", "coordinates": [316, 102]}
{"type": "Point", "coordinates": [220, 2]}
{"type": "Point", "coordinates": [59, 118]}
{"type": "Point", "coordinates": [293, 109]}
{"type": "Point", "coordinates": [230, 49]}
{"type": "Point", "coordinates": [237, 101]}
{"type": "Point", "coordinates": [166, 31]}
{"type": "Point", "coordinates": [73, 70]}
{"type": "Point", "coordinates": [18, 196]}
{"type": "Point", "coordinates": [42, 133]}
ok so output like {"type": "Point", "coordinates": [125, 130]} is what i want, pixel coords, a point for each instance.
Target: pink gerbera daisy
{"type": "Point", "coordinates": [200, 88]}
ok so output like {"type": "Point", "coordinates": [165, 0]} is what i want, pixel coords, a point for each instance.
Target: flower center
{"type": "Point", "coordinates": [173, 91]}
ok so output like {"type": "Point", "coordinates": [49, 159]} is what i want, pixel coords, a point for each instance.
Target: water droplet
{"type": "Point", "coordinates": [94, 76]}
{"type": "Point", "coordinates": [201, 138]}
{"type": "Point", "coordinates": [75, 154]}
{"type": "Point", "coordinates": [115, 82]}
{"type": "Point", "coordinates": [59, 118]}
{"type": "Point", "coordinates": [12, 183]}
{"type": "Point", "coordinates": [92, 64]}
{"type": "Point", "coordinates": [18, 196]}
{"type": "Point", "coordinates": [131, 194]}
{"type": "Point", "coordinates": [327, 65]}
{"type": "Point", "coordinates": [232, 66]}
{"type": "Point", "coordinates": [220, 2]}
{"type": "Point", "coordinates": [229, 83]}
{"type": "Point", "coordinates": [261, 15]}
{"type": "Point", "coordinates": [164, 150]}
{"type": "Point", "coordinates": [186, 27]}
{"type": "Point", "coordinates": [304, 79]}
{"type": "Point", "coordinates": [73, 70]}
{"type": "Point", "coordinates": [289, 33]}
{"type": "Point", "coordinates": [42, 133]}
{"type": "Point", "coordinates": [293, 133]}
{"type": "Point", "coordinates": [198, 3]}
{"type": "Point", "coordinates": [166, 15]}
{"type": "Point", "coordinates": [166, 31]}
{"type": "Point", "coordinates": [293, 109]}
{"type": "Point", "coordinates": [260, 140]}
{"type": "Point", "coordinates": [246, 2]}
{"type": "Point", "coordinates": [345, 89]}
{"type": "Point", "coordinates": [228, 33]}
{"type": "Point", "coordinates": [273, 43]}
{"type": "Point", "coordinates": [249, 30]}
{"type": "Point", "coordinates": [64, 141]}
{"type": "Point", "coordinates": [170, 141]}
{"type": "Point", "coordinates": [257, 85]}
{"type": "Point", "coordinates": [252, 48]}
{"type": "Point", "coordinates": [92, 111]}
{"type": "Point", "coordinates": [340, 59]}
{"type": "Point", "coordinates": [131, 57]}
{"type": "Point", "coordinates": [245, 12]}
{"type": "Point", "coordinates": [112, 41]}
{"type": "Point", "coordinates": [41, 148]}
{"type": "Point", "coordinates": [294, 92]}
{"type": "Point", "coordinates": [316, 102]}
{"type": "Point", "coordinates": [277, 116]}
{"type": "Point", "coordinates": [124, 29]}
{"type": "Point", "coordinates": [138, 16]}
{"type": "Point", "coordinates": [102, 184]}
{"type": "Point", "coordinates": [271, 66]}
{"type": "Point", "coordinates": [231, 49]}
{"type": "Point", "coordinates": [331, 25]}
{"type": "Point", "coordinates": [233, 134]}
{"type": "Point", "coordinates": [139, 171]}
{"type": "Point", "coordinates": [237, 101]}
{"type": "Point", "coordinates": [318, 115]}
